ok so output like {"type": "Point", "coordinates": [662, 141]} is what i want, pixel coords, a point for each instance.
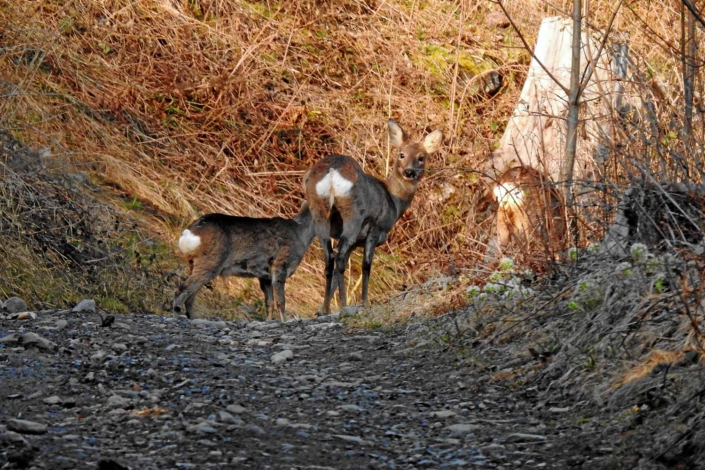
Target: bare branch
{"type": "Point", "coordinates": [531, 49]}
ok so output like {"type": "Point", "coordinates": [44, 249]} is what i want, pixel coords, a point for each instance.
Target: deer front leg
{"type": "Point", "coordinates": [329, 257]}
{"type": "Point", "coordinates": [345, 248]}
{"type": "Point", "coordinates": [280, 299]}
{"type": "Point", "coordinates": [370, 244]}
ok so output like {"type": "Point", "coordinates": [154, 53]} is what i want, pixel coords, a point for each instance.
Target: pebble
{"type": "Point", "coordinates": [442, 414]}
{"type": "Point", "coordinates": [356, 356]}
{"type": "Point", "coordinates": [52, 400]}
{"type": "Point", "coordinates": [521, 437]}
{"type": "Point", "coordinates": [351, 439]}
{"type": "Point", "coordinates": [282, 356]}
{"type": "Point", "coordinates": [354, 408]}
{"type": "Point", "coordinates": [227, 418]}
{"type": "Point", "coordinates": [208, 323]}
{"type": "Point", "coordinates": [459, 430]}
{"type": "Point", "coordinates": [14, 305]}
{"type": "Point", "coordinates": [116, 401]}
{"type": "Point", "coordinates": [237, 409]}
{"type": "Point", "coordinates": [85, 305]}
{"type": "Point", "coordinates": [34, 339]}
{"type": "Point", "coordinates": [22, 316]}
{"type": "Point", "coordinates": [26, 427]}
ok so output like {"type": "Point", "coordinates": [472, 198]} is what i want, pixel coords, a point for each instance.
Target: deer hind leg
{"type": "Point", "coordinates": [278, 270]}
{"type": "Point", "coordinates": [370, 244]}
{"type": "Point", "coordinates": [203, 271]}
{"type": "Point", "coordinates": [346, 245]}
{"type": "Point", "coordinates": [280, 299]}
{"type": "Point", "coordinates": [329, 257]}
{"type": "Point", "coordinates": [266, 286]}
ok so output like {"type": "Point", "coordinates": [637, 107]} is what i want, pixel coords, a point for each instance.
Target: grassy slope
{"type": "Point", "coordinates": [185, 107]}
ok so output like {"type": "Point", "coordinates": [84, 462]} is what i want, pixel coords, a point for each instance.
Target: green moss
{"type": "Point", "coordinates": [438, 59]}
{"type": "Point", "coordinates": [111, 304]}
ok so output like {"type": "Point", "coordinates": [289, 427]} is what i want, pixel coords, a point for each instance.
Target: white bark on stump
{"type": "Point", "coordinates": [535, 135]}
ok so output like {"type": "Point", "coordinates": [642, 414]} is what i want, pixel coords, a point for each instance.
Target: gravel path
{"type": "Point", "coordinates": [149, 392]}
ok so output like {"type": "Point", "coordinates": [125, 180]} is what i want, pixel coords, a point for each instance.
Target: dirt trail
{"type": "Point", "coordinates": [152, 392]}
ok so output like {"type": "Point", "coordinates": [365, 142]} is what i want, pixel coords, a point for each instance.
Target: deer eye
{"type": "Point", "coordinates": [421, 159]}
{"type": "Point", "coordinates": [401, 156]}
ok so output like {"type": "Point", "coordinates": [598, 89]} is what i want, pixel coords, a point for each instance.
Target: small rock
{"type": "Point", "coordinates": [227, 418]}
{"type": "Point", "coordinates": [12, 438]}
{"type": "Point", "coordinates": [14, 305]}
{"type": "Point", "coordinates": [23, 426]}
{"type": "Point", "coordinates": [282, 356]}
{"type": "Point", "coordinates": [258, 325]}
{"type": "Point", "coordinates": [559, 410]}
{"type": "Point", "coordinates": [119, 347]}
{"type": "Point", "coordinates": [356, 356]}
{"type": "Point", "coordinates": [237, 409]}
{"type": "Point", "coordinates": [10, 340]}
{"type": "Point", "coordinates": [351, 439]}
{"type": "Point", "coordinates": [85, 305]}
{"type": "Point", "coordinates": [442, 414]}
{"type": "Point", "coordinates": [34, 339]}
{"type": "Point", "coordinates": [350, 408]}
{"type": "Point", "coordinates": [202, 428]}
{"type": "Point", "coordinates": [53, 400]}
{"type": "Point", "coordinates": [116, 401]}
{"type": "Point", "coordinates": [521, 437]}
{"type": "Point", "coordinates": [459, 430]}
{"type": "Point", "coordinates": [23, 316]}
{"type": "Point", "coordinates": [208, 323]}
{"type": "Point", "coordinates": [61, 324]}
{"type": "Point", "coordinates": [254, 429]}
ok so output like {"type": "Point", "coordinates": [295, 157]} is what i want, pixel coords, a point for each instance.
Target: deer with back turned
{"type": "Point", "coordinates": [269, 249]}
{"type": "Point", "coordinates": [358, 209]}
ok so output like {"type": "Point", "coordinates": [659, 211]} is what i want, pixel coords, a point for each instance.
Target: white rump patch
{"type": "Point", "coordinates": [189, 242]}
{"type": "Point", "coordinates": [333, 185]}
{"type": "Point", "coordinates": [509, 195]}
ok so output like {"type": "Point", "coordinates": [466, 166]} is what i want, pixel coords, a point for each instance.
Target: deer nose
{"type": "Point", "coordinates": [413, 174]}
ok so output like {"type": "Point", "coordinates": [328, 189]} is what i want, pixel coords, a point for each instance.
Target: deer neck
{"type": "Point", "coordinates": [402, 192]}
{"type": "Point", "coordinates": [307, 229]}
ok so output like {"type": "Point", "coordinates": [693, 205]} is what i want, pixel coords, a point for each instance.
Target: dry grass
{"type": "Point", "coordinates": [204, 105]}
{"type": "Point", "coordinates": [644, 368]}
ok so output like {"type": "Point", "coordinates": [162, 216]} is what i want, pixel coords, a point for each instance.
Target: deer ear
{"type": "Point", "coordinates": [433, 141]}
{"type": "Point", "coordinates": [397, 136]}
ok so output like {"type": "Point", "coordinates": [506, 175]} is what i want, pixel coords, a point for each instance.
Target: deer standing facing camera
{"type": "Point", "coordinates": [358, 209]}
{"type": "Point", "coordinates": [269, 249]}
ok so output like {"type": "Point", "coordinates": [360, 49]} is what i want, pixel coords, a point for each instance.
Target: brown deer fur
{"type": "Point", "coordinates": [269, 249]}
{"type": "Point", "coordinates": [359, 210]}
{"type": "Point", "coordinates": [530, 212]}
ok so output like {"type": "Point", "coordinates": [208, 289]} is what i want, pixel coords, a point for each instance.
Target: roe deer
{"type": "Point", "coordinates": [530, 211]}
{"type": "Point", "coordinates": [358, 209]}
{"type": "Point", "coordinates": [269, 249]}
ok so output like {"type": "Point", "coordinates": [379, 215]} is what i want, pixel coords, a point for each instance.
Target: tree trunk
{"type": "Point", "coordinates": [536, 133]}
